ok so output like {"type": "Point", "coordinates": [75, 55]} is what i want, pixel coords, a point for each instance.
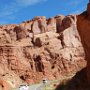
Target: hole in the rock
{"type": "Point", "coordinates": [22, 77]}
{"type": "Point", "coordinates": [53, 67]}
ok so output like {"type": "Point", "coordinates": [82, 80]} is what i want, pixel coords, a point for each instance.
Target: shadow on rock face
{"type": "Point", "coordinates": [78, 82]}
{"type": "Point", "coordinates": [83, 26]}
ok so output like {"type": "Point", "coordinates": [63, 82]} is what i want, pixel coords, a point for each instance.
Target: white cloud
{"type": "Point", "coordinates": [27, 2]}
{"type": "Point", "coordinates": [79, 5]}
{"type": "Point", "coordinates": [16, 5]}
{"type": "Point", "coordinates": [80, 10]}
{"type": "Point", "coordinates": [77, 12]}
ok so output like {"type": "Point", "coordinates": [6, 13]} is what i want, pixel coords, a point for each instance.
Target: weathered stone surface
{"type": "Point", "coordinates": [41, 48]}
{"type": "Point", "coordinates": [39, 25]}
{"type": "Point", "coordinates": [51, 24]}
{"type": "Point", "coordinates": [4, 85]}
{"type": "Point", "coordinates": [59, 19]}
{"type": "Point", "coordinates": [83, 25]}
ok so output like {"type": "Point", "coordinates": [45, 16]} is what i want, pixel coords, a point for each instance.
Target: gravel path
{"type": "Point", "coordinates": [35, 87]}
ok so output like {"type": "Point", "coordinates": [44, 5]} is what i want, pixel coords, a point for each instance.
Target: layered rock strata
{"type": "Point", "coordinates": [41, 48]}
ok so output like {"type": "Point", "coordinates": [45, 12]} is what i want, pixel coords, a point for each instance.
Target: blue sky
{"type": "Point", "coordinates": [16, 11]}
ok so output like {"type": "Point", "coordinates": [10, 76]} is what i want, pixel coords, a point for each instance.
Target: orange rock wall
{"type": "Point", "coordinates": [83, 25]}
{"type": "Point", "coordinates": [41, 48]}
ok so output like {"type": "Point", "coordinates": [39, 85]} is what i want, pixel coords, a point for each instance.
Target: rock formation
{"type": "Point", "coordinates": [81, 81]}
{"type": "Point", "coordinates": [83, 25]}
{"type": "Point", "coordinates": [41, 48]}
{"type": "Point", "coordinates": [4, 85]}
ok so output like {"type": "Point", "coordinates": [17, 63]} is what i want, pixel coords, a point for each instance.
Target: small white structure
{"type": "Point", "coordinates": [24, 87]}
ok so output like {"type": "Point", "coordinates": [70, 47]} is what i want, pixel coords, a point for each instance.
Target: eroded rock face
{"type": "Point", "coordinates": [42, 48]}
{"type": "Point", "coordinates": [83, 25]}
{"type": "Point", "coordinates": [4, 85]}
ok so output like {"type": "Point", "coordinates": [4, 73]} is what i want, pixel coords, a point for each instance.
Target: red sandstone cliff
{"type": "Point", "coordinates": [41, 48]}
{"type": "Point", "coordinates": [83, 25]}
{"type": "Point", "coordinates": [45, 48]}
{"type": "Point", "coordinates": [81, 81]}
